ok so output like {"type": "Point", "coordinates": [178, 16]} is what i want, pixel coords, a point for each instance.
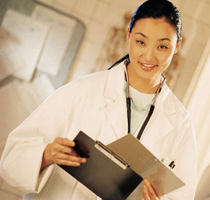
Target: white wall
{"type": "Point", "coordinates": [196, 31]}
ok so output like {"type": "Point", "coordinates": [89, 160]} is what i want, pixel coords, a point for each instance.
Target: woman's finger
{"type": "Point", "coordinates": [67, 163]}
{"type": "Point", "coordinates": [64, 142]}
{"type": "Point", "coordinates": [64, 159]}
{"type": "Point", "coordinates": [145, 193]}
{"type": "Point", "coordinates": [69, 158]}
{"type": "Point", "coordinates": [63, 145]}
{"type": "Point", "coordinates": [65, 150]}
{"type": "Point", "coordinates": [150, 190]}
{"type": "Point", "coordinates": [63, 153]}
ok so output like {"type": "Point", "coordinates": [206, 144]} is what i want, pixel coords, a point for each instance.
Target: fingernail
{"type": "Point", "coordinates": [146, 182]}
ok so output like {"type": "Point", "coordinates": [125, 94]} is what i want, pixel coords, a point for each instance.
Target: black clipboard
{"type": "Point", "coordinates": [104, 173]}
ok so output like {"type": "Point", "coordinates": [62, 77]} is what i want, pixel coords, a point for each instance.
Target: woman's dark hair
{"type": "Point", "coordinates": [157, 9]}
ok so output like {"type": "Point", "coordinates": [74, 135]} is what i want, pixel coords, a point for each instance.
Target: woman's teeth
{"type": "Point", "coordinates": [147, 65]}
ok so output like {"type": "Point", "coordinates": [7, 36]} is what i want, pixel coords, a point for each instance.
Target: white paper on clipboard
{"type": "Point", "coordinates": [144, 163]}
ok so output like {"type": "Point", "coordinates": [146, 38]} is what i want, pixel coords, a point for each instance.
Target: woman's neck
{"type": "Point", "coordinates": [148, 86]}
{"type": "Point", "coordinates": [143, 86]}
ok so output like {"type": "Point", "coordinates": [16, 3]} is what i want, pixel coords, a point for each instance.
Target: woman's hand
{"type": "Point", "coordinates": [148, 192]}
{"type": "Point", "coordinates": [60, 151]}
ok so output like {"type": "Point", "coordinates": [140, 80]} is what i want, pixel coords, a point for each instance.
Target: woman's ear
{"type": "Point", "coordinates": [178, 45]}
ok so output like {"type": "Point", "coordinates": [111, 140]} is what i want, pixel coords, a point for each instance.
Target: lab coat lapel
{"type": "Point", "coordinates": [159, 125]}
{"type": "Point", "coordinates": [115, 108]}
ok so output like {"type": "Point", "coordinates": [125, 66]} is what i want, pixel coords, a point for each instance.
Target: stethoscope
{"type": "Point", "coordinates": [151, 109]}
{"type": "Point", "coordinates": [128, 101]}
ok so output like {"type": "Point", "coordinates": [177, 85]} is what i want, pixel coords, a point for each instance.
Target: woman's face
{"type": "Point", "coordinates": [152, 44]}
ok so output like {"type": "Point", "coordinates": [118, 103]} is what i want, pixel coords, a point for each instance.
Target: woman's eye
{"type": "Point", "coordinates": [163, 47]}
{"type": "Point", "coordinates": [140, 42]}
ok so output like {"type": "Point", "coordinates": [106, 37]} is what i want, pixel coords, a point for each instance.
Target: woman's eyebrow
{"type": "Point", "coordinates": [139, 33]}
{"type": "Point", "coordinates": [143, 35]}
{"type": "Point", "coordinates": [162, 39]}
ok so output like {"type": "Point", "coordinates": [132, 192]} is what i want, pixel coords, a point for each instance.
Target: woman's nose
{"type": "Point", "coordinates": [149, 54]}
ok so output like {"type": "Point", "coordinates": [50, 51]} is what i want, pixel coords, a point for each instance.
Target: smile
{"type": "Point", "coordinates": [147, 67]}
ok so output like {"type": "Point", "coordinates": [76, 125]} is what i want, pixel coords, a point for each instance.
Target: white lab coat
{"type": "Point", "coordinates": [95, 104]}
{"type": "Point", "coordinates": [203, 192]}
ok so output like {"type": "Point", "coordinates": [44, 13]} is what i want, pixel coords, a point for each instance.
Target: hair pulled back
{"type": "Point", "coordinates": [158, 9]}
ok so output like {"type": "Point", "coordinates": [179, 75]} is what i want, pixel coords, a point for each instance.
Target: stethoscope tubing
{"type": "Point", "coordinates": [128, 101]}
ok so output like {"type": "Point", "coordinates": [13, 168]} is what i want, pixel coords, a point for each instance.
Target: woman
{"type": "Point", "coordinates": [96, 104]}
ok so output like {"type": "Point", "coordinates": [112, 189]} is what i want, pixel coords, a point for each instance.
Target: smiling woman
{"type": "Point", "coordinates": [132, 97]}
{"type": "Point", "coordinates": [152, 44]}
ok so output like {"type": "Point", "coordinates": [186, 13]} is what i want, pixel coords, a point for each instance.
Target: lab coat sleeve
{"type": "Point", "coordinates": [22, 156]}
{"type": "Point", "coordinates": [186, 165]}
{"type": "Point", "coordinates": [203, 192]}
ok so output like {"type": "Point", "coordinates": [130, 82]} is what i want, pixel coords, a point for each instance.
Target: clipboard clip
{"type": "Point", "coordinates": [110, 154]}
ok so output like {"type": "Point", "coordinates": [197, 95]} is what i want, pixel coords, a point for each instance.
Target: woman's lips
{"type": "Point", "coordinates": [147, 67]}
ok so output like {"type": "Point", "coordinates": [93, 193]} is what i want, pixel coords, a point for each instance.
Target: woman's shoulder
{"type": "Point", "coordinates": [85, 83]}
{"type": "Point", "coordinates": [96, 82]}
{"type": "Point", "coordinates": [89, 79]}
{"type": "Point", "coordinates": [173, 103]}
{"type": "Point", "coordinates": [177, 113]}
